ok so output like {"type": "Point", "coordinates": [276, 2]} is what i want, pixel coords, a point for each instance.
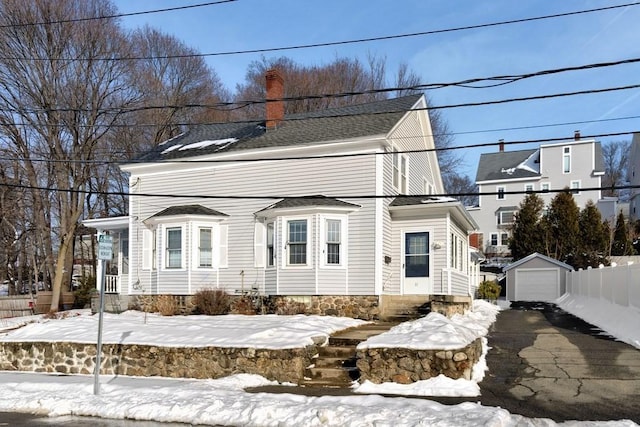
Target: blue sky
{"type": "Point", "coordinates": [510, 49]}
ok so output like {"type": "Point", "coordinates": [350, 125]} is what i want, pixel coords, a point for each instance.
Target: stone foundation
{"type": "Point", "coordinates": [448, 305]}
{"type": "Point", "coordinates": [144, 360]}
{"type": "Point", "coordinates": [358, 307]}
{"type": "Point", "coordinates": [404, 366]}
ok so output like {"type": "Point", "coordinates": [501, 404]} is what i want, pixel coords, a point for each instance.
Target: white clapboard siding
{"type": "Point", "coordinates": [438, 229]}
{"type": "Point", "coordinates": [330, 177]}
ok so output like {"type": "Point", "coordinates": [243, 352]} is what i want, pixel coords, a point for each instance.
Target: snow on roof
{"type": "Point", "coordinates": [208, 143]}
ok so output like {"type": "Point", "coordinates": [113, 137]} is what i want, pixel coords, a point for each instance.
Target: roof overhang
{"type": "Point", "coordinates": [112, 223]}
{"type": "Point", "coordinates": [166, 219]}
{"type": "Point", "coordinates": [455, 209]}
{"type": "Point", "coordinates": [305, 210]}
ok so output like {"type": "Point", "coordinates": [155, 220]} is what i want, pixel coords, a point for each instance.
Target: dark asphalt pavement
{"type": "Point", "coordinates": [546, 363]}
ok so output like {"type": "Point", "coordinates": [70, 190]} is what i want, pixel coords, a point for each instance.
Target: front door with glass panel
{"type": "Point", "coordinates": [416, 265]}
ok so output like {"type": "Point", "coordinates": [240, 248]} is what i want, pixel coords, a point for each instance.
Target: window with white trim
{"type": "Point", "coordinates": [575, 187]}
{"type": "Point", "coordinates": [271, 237]}
{"type": "Point", "coordinates": [500, 190]}
{"type": "Point", "coordinates": [528, 188]}
{"type": "Point", "coordinates": [545, 187]}
{"type": "Point", "coordinates": [333, 229]}
{"type": "Point", "coordinates": [458, 249]}
{"type": "Point", "coordinates": [505, 217]}
{"type": "Point", "coordinates": [493, 240]}
{"type": "Point", "coordinates": [400, 166]}
{"type": "Point", "coordinates": [504, 239]}
{"type": "Point", "coordinates": [566, 159]}
{"type": "Point", "coordinates": [173, 247]}
{"type": "Point", "coordinates": [205, 247]}
{"type": "Point", "coordinates": [297, 236]}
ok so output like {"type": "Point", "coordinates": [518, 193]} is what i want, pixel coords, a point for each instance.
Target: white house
{"type": "Point", "coordinates": [307, 205]}
{"type": "Point", "coordinates": [576, 164]}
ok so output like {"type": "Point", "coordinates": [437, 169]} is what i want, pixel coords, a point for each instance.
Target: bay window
{"type": "Point", "coordinates": [174, 247]}
{"type": "Point", "coordinates": [297, 241]}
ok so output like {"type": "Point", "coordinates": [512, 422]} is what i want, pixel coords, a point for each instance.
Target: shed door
{"type": "Point", "coordinates": [537, 284]}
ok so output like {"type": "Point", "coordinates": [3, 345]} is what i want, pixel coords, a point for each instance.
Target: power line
{"type": "Point", "coordinates": [332, 156]}
{"type": "Point", "coordinates": [337, 196]}
{"type": "Point", "coordinates": [119, 15]}
{"type": "Point", "coordinates": [345, 42]}
{"type": "Point", "coordinates": [217, 106]}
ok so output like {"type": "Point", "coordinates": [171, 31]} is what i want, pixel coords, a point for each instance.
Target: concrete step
{"type": "Point", "coordinates": [329, 362]}
{"type": "Point", "coordinates": [335, 376]}
{"type": "Point", "coordinates": [342, 352]}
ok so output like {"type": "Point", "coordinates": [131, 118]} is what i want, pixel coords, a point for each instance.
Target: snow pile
{"type": "Point", "coordinates": [223, 402]}
{"type": "Point", "coordinates": [438, 332]}
{"type": "Point", "coordinates": [235, 331]}
{"type": "Point", "coordinates": [617, 320]}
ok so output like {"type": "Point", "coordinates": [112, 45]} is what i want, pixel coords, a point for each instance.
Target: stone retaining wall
{"type": "Point", "coordinates": [404, 366]}
{"type": "Point", "coordinates": [365, 307]}
{"type": "Point", "coordinates": [145, 360]}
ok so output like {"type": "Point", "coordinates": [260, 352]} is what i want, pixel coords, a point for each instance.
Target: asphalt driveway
{"type": "Point", "coordinates": [546, 363]}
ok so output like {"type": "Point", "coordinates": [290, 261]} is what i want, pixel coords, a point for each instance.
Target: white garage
{"type": "Point", "coordinates": [536, 278]}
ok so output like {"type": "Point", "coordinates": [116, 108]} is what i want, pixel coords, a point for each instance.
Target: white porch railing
{"type": "Point", "coordinates": [618, 285]}
{"type": "Point", "coordinates": [111, 284]}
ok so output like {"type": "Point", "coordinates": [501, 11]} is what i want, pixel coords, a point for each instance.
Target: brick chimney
{"type": "Point", "coordinates": [501, 145]}
{"type": "Point", "coordinates": [576, 135]}
{"type": "Point", "coordinates": [275, 91]}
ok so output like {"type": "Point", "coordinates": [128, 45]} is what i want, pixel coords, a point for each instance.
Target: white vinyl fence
{"type": "Point", "coordinates": [618, 285]}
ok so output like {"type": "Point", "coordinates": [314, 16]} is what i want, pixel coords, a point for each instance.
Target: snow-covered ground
{"type": "Point", "coordinates": [223, 401]}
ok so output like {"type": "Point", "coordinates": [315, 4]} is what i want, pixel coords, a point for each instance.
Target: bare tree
{"type": "Point", "coordinates": [55, 111]}
{"type": "Point", "coordinates": [162, 87]}
{"type": "Point", "coordinates": [616, 162]}
{"type": "Point", "coordinates": [344, 76]}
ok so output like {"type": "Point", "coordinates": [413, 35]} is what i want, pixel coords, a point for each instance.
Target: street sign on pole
{"type": "Point", "coordinates": [105, 253]}
{"type": "Point", "coordinates": [105, 247]}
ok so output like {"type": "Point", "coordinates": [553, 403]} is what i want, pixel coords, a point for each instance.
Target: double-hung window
{"type": "Point", "coordinates": [566, 159]}
{"type": "Point", "coordinates": [334, 241]}
{"type": "Point", "coordinates": [174, 247]}
{"type": "Point", "coordinates": [493, 239]}
{"type": "Point", "coordinates": [505, 217]}
{"type": "Point", "coordinates": [271, 255]}
{"type": "Point", "coordinates": [400, 171]}
{"type": "Point", "coordinates": [297, 241]}
{"type": "Point", "coordinates": [500, 190]}
{"type": "Point", "coordinates": [575, 187]}
{"type": "Point", "coordinates": [205, 247]}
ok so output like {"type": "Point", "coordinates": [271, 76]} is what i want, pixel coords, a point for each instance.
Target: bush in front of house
{"type": "Point", "coordinates": [244, 305]}
{"type": "Point", "coordinates": [211, 302]}
{"type": "Point", "coordinates": [84, 292]}
{"type": "Point", "coordinates": [167, 305]}
{"type": "Point", "coordinates": [489, 290]}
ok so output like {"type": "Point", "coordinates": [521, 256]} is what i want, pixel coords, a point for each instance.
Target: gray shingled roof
{"type": "Point", "coordinates": [503, 165]}
{"type": "Point", "coordinates": [420, 200]}
{"type": "Point", "coordinates": [352, 121]}
{"type": "Point", "coordinates": [188, 210]}
{"type": "Point", "coordinates": [299, 202]}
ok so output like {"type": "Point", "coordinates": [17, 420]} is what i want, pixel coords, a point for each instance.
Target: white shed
{"type": "Point", "coordinates": [536, 278]}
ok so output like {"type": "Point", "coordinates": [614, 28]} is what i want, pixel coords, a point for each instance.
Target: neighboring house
{"type": "Point", "coordinates": [536, 278]}
{"type": "Point", "coordinates": [572, 164]}
{"type": "Point", "coordinates": [633, 176]}
{"type": "Point", "coordinates": [291, 207]}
